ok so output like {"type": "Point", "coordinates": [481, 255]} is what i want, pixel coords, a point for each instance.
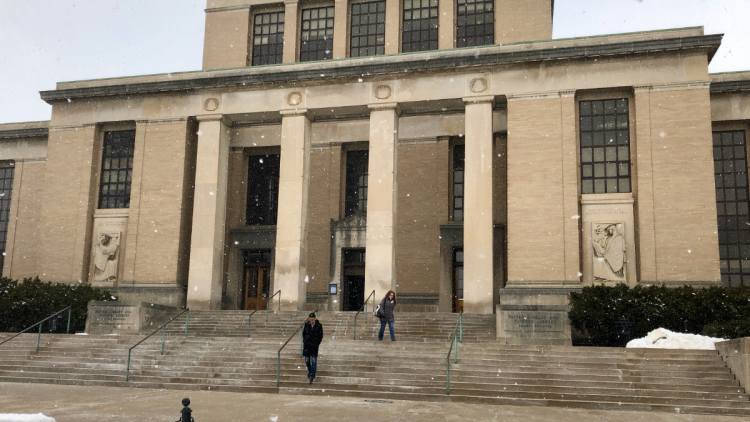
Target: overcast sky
{"type": "Point", "coordinates": [46, 41]}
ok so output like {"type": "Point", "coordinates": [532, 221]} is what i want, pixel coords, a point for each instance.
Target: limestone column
{"type": "Point", "coordinates": [291, 32]}
{"type": "Point", "coordinates": [209, 214]}
{"type": "Point", "coordinates": [643, 184]}
{"type": "Point", "coordinates": [478, 224]}
{"type": "Point", "coordinates": [380, 244]}
{"type": "Point", "coordinates": [570, 173]}
{"type": "Point", "coordinates": [290, 268]}
{"type": "Point", "coordinates": [392, 26]}
{"type": "Point", "coordinates": [340, 20]}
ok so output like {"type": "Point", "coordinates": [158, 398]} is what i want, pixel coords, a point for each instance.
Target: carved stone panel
{"type": "Point", "coordinates": [608, 239]}
{"type": "Point", "coordinates": [107, 243]}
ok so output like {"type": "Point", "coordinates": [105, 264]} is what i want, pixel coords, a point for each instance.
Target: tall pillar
{"type": "Point", "coordinates": [290, 268]}
{"type": "Point", "coordinates": [478, 224]}
{"type": "Point", "coordinates": [643, 184]}
{"type": "Point", "coordinates": [446, 24]}
{"type": "Point", "coordinates": [209, 214]}
{"type": "Point", "coordinates": [392, 26]}
{"type": "Point", "coordinates": [380, 244]}
{"type": "Point", "coordinates": [291, 36]}
{"type": "Point", "coordinates": [340, 20]}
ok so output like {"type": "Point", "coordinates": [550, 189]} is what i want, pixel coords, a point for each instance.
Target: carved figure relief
{"type": "Point", "coordinates": [106, 256]}
{"type": "Point", "coordinates": [609, 251]}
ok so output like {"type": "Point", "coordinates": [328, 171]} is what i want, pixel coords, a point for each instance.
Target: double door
{"type": "Point", "coordinates": [256, 282]}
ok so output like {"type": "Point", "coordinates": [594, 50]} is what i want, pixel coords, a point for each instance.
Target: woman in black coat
{"type": "Point", "coordinates": [386, 314]}
{"type": "Point", "coordinates": [312, 335]}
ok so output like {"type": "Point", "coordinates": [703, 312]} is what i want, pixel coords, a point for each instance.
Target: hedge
{"type": "Point", "coordinates": [716, 311]}
{"type": "Point", "coordinates": [25, 303]}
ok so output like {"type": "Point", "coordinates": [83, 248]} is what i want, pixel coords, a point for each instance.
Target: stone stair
{"type": "Point", "coordinates": [412, 368]}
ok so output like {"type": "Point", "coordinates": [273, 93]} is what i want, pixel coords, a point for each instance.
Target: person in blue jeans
{"type": "Point", "coordinates": [312, 336]}
{"type": "Point", "coordinates": [386, 314]}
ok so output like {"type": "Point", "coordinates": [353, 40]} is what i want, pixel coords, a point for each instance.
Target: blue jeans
{"type": "Point", "coordinates": [382, 330]}
{"type": "Point", "coordinates": [312, 365]}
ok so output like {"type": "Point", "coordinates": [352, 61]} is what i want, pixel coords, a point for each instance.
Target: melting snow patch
{"type": "Point", "coordinates": [662, 338]}
{"type": "Point", "coordinates": [15, 417]}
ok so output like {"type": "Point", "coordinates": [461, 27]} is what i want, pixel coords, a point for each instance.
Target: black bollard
{"type": "Point", "coordinates": [186, 412]}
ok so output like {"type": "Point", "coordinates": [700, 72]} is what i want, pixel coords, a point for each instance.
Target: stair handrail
{"type": "Point", "coordinates": [269, 301]}
{"type": "Point", "coordinates": [39, 336]}
{"type": "Point", "coordinates": [453, 348]}
{"type": "Point", "coordinates": [364, 305]}
{"type": "Point", "coordinates": [163, 327]}
{"type": "Point", "coordinates": [248, 321]}
{"type": "Point", "coordinates": [278, 353]}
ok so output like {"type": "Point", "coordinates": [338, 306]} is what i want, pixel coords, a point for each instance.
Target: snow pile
{"type": "Point", "coordinates": [15, 417]}
{"type": "Point", "coordinates": [662, 338]}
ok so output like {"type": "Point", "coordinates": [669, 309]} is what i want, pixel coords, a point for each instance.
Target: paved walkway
{"type": "Point", "coordinates": [102, 404]}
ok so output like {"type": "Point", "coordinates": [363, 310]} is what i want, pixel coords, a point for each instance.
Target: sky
{"type": "Point", "coordinates": [47, 41]}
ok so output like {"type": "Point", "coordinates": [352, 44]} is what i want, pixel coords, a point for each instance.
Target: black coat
{"type": "Point", "coordinates": [311, 338]}
{"type": "Point", "coordinates": [386, 310]}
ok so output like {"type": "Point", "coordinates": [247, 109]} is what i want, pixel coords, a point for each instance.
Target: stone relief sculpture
{"type": "Point", "coordinates": [609, 251]}
{"type": "Point", "coordinates": [106, 254]}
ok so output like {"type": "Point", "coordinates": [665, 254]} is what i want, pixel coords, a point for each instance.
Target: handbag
{"type": "Point", "coordinates": [377, 313]}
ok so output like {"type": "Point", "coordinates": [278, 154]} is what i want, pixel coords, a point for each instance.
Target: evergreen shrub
{"type": "Point", "coordinates": [31, 300]}
{"type": "Point", "coordinates": [716, 311]}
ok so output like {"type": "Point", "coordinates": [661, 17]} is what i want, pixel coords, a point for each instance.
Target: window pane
{"type": "Point", "coordinates": [316, 36]}
{"type": "Point", "coordinates": [611, 155]}
{"type": "Point", "coordinates": [268, 38]}
{"type": "Point", "coordinates": [474, 26]}
{"type": "Point", "coordinates": [117, 169]}
{"type": "Point", "coordinates": [459, 157]}
{"type": "Point", "coordinates": [355, 189]}
{"type": "Point", "coordinates": [262, 190]}
{"type": "Point", "coordinates": [365, 19]}
{"type": "Point", "coordinates": [420, 26]}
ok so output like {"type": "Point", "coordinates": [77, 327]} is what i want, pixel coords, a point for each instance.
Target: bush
{"type": "Point", "coordinates": [716, 311]}
{"type": "Point", "coordinates": [25, 303]}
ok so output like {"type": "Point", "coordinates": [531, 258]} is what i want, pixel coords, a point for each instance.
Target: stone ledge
{"type": "Point", "coordinates": [24, 133]}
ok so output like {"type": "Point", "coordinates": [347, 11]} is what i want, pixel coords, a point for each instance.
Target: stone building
{"type": "Point", "coordinates": [445, 149]}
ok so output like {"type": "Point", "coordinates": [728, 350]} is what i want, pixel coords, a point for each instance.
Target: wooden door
{"type": "Point", "coordinates": [257, 280]}
{"type": "Point", "coordinates": [458, 280]}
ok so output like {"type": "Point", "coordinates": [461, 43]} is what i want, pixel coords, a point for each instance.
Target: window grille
{"type": "Point", "coordinates": [368, 29]}
{"type": "Point", "coordinates": [6, 189]}
{"type": "Point", "coordinates": [262, 190]}
{"type": "Point", "coordinates": [605, 146]}
{"type": "Point", "coordinates": [459, 156]}
{"type": "Point", "coordinates": [730, 175]}
{"type": "Point", "coordinates": [420, 25]}
{"type": "Point", "coordinates": [317, 34]}
{"type": "Point", "coordinates": [356, 183]}
{"type": "Point", "coordinates": [475, 23]}
{"type": "Point", "coordinates": [117, 169]}
{"type": "Point", "coordinates": [268, 38]}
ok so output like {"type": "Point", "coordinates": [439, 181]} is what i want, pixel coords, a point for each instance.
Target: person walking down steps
{"type": "Point", "coordinates": [312, 335]}
{"type": "Point", "coordinates": [385, 313]}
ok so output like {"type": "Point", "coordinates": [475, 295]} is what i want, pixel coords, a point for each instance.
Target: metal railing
{"type": "Point", "coordinates": [248, 321]}
{"type": "Point", "coordinates": [278, 353]}
{"type": "Point", "coordinates": [269, 301]}
{"type": "Point", "coordinates": [364, 305]}
{"type": "Point", "coordinates": [453, 348]}
{"type": "Point", "coordinates": [163, 337]}
{"type": "Point", "coordinates": [39, 336]}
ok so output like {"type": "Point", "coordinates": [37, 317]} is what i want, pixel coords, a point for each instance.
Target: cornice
{"type": "Point", "coordinates": [24, 133]}
{"type": "Point", "coordinates": [730, 86]}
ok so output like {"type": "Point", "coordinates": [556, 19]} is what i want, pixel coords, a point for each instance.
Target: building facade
{"type": "Point", "coordinates": [445, 149]}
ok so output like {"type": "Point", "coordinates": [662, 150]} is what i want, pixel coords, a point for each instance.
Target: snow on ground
{"type": "Point", "coordinates": [661, 338]}
{"type": "Point", "coordinates": [15, 417]}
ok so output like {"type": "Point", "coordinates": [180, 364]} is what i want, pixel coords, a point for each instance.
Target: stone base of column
{"type": "Point", "coordinates": [534, 316]}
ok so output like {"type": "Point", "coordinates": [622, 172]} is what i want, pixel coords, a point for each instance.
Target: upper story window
{"type": "Point", "coordinates": [459, 157]}
{"type": "Point", "coordinates": [475, 23]}
{"type": "Point", "coordinates": [262, 190]}
{"type": "Point", "coordinates": [6, 189]}
{"type": "Point", "coordinates": [355, 198]}
{"type": "Point", "coordinates": [605, 146]}
{"type": "Point", "coordinates": [730, 175]}
{"type": "Point", "coordinates": [316, 37]}
{"type": "Point", "coordinates": [268, 38]}
{"type": "Point", "coordinates": [117, 169]}
{"type": "Point", "coordinates": [368, 29]}
{"type": "Point", "coordinates": [420, 25]}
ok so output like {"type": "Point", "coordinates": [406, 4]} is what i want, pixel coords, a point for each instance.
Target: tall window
{"type": "Point", "coordinates": [262, 190]}
{"type": "Point", "coordinates": [420, 25]}
{"type": "Point", "coordinates": [6, 188]}
{"type": "Point", "coordinates": [117, 169]}
{"type": "Point", "coordinates": [730, 175]}
{"type": "Point", "coordinates": [476, 23]}
{"type": "Point", "coordinates": [368, 29]}
{"type": "Point", "coordinates": [459, 156]}
{"type": "Point", "coordinates": [317, 34]}
{"type": "Point", "coordinates": [355, 199]}
{"type": "Point", "coordinates": [605, 146]}
{"type": "Point", "coordinates": [268, 38]}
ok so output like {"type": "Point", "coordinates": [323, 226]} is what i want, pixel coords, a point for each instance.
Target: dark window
{"type": "Point", "coordinates": [6, 188]}
{"type": "Point", "coordinates": [317, 34]}
{"type": "Point", "coordinates": [730, 174]}
{"type": "Point", "coordinates": [356, 183]}
{"type": "Point", "coordinates": [605, 146]}
{"type": "Point", "coordinates": [459, 155]}
{"type": "Point", "coordinates": [368, 29]}
{"type": "Point", "coordinates": [117, 169]}
{"type": "Point", "coordinates": [475, 23]}
{"type": "Point", "coordinates": [268, 38]}
{"type": "Point", "coordinates": [420, 25]}
{"type": "Point", "coordinates": [262, 190]}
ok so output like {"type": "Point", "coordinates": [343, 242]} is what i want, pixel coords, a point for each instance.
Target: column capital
{"type": "Point", "coordinates": [291, 2]}
{"type": "Point", "coordinates": [297, 112]}
{"type": "Point", "coordinates": [212, 118]}
{"type": "Point", "coordinates": [478, 100]}
{"type": "Point", "coordinates": [637, 88]}
{"type": "Point", "coordinates": [385, 106]}
{"type": "Point", "coordinates": [568, 93]}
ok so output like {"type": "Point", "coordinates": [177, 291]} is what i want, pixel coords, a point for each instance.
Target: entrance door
{"type": "Point", "coordinates": [354, 279]}
{"type": "Point", "coordinates": [256, 279]}
{"type": "Point", "coordinates": [458, 280]}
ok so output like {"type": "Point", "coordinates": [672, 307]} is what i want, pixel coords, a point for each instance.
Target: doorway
{"type": "Point", "coordinates": [354, 279]}
{"type": "Point", "coordinates": [256, 280]}
{"type": "Point", "coordinates": [458, 280]}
